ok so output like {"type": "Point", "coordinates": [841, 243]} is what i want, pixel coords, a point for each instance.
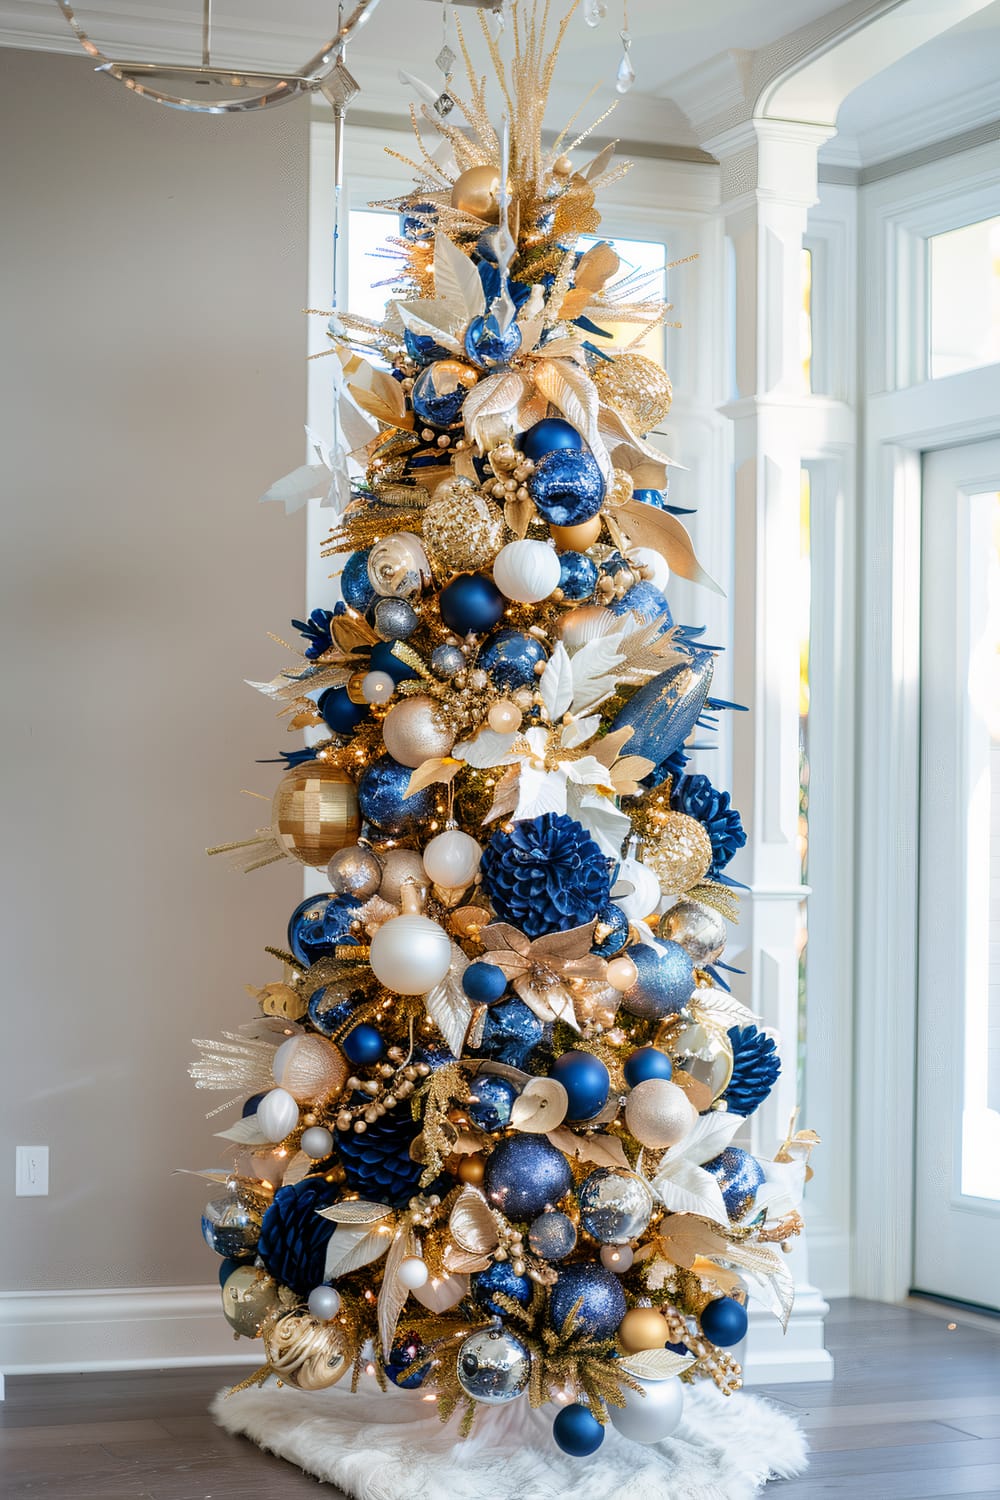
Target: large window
{"type": "Point", "coordinates": [965, 298]}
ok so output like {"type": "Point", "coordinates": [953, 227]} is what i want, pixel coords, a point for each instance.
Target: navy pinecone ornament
{"type": "Point", "coordinates": [756, 1066]}
{"type": "Point", "coordinates": [377, 1164]}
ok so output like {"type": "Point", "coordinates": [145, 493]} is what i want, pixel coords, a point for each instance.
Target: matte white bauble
{"type": "Point", "coordinates": [317, 1142]}
{"type": "Point", "coordinates": [310, 1068]}
{"type": "Point", "coordinates": [659, 1113]}
{"type": "Point", "coordinates": [649, 1415]}
{"type": "Point", "coordinates": [451, 859]}
{"type": "Point", "coordinates": [645, 895]}
{"type": "Point", "coordinates": [659, 567]}
{"type": "Point", "coordinates": [526, 571]}
{"type": "Point", "coordinates": [277, 1114]}
{"type": "Point", "coordinates": [410, 954]}
{"type": "Point", "coordinates": [324, 1303]}
{"type": "Point", "coordinates": [377, 687]}
{"type": "Point", "coordinates": [617, 1258]}
{"type": "Point", "coordinates": [412, 1272]}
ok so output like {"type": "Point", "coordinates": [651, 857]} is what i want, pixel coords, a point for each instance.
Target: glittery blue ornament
{"type": "Point", "coordinates": [567, 487]}
{"type": "Point", "coordinates": [739, 1175]}
{"type": "Point", "coordinates": [471, 603]}
{"type": "Point", "coordinates": [363, 1046]}
{"type": "Point", "coordinates": [491, 1102]}
{"type": "Point", "coordinates": [698, 798]}
{"type": "Point", "coordinates": [756, 1066]}
{"type": "Point", "coordinates": [409, 1362]}
{"type": "Point", "coordinates": [665, 980]}
{"type": "Point", "coordinates": [602, 1301]}
{"type": "Point", "coordinates": [377, 1164]}
{"type": "Point", "coordinates": [552, 1236]}
{"type": "Point", "coordinates": [439, 390]}
{"type": "Point", "coordinates": [724, 1322]}
{"type": "Point", "coordinates": [499, 1278]}
{"type": "Point", "coordinates": [547, 436]}
{"type": "Point", "coordinates": [578, 576]}
{"type": "Point", "coordinates": [294, 1237]}
{"type": "Point", "coordinates": [646, 601]}
{"type": "Point", "coordinates": [355, 585]}
{"type": "Point", "coordinates": [586, 1081]}
{"type": "Point", "coordinates": [319, 924]}
{"type": "Point", "coordinates": [340, 714]}
{"type": "Point", "coordinates": [509, 658]}
{"type": "Point", "coordinates": [486, 343]}
{"type": "Point", "coordinates": [577, 1431]}
{"type": "Point", "coordinates": [382, 660]}
{"type": "Point", "coordinates": [484, 982]}
{"type": "Point", "coordinates": [395, 619]}
{"type": "Point", "coordinates": [612, 930]}
{"type": "Point", "coordinates": [511, 1033]}
{"type": "Point", "coordinates": [546, 875]}
{"type": "Point", "coordinates": [526, 1174]}
{"type": "Point", "coordinates": [663, 712]}
{"type": "Point", "coordinates": [383, 802]}
{"type": "Point", "coordinates": [646, 1063]}
{"type": "Point", "coordinates": [332, 1005]}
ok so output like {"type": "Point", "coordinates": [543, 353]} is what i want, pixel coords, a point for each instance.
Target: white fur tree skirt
{"type": "Point", "coordinates": [391, 1447]}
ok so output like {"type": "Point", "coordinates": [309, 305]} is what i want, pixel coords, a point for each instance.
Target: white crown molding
{"type": "Point", "coordinates": [931, 123]}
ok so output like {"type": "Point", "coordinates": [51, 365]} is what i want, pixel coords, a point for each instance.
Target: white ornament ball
{"type": "Point", "coordinates": [650, 558]}
{"type": "Point", "coordinates": [645, 895]}
{"type": "Point", "coordinates": [309, 1067]}
{"type": "Point", "coordinates": [317, 1142]}
{"type": "Point", "coordinates": [651, 1415]}
{"type": "Point", "coordinates": [277, 1114]}
{"type": "Point", "coordinates": [412, 1272]}
{"type": "Point", "coordinates": [377, 687]}
{"type": "Point", "coordinates": [659, 1114]}
{"type": "Point", "coordinates": [617, 1258]}
{"type": "Point", "coordinates": [324, 1303]}
{"type": "Point", "coordinates": [410, 954]}
{"type": "Point", "coordinates": [526, 571]}
{"type": "Point", "coordinates": [451, 859]}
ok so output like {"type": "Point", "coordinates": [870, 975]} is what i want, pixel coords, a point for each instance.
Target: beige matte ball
{"type": "Point", "coordinates": [414, 731]}
{"type": "Point", "coordinates": [658, 1113]}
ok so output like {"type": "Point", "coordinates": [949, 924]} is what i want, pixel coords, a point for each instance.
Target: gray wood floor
{"type": "Point", "coordinates": [913, 1414]}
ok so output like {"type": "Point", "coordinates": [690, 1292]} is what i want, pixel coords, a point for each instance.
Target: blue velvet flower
{"type": "Point", "coordinates": [696, 796]}
{"type": "Point", "coordinates": [293, 1237]}
{"type": "Point", "coordinates": [316, 631]}
{"type": "Point", "coordinates": [546, 875]}
{"type": "Point", "coordinates": [756, 1066]}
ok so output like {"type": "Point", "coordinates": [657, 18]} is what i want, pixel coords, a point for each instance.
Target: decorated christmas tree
{"type": "Point", "coordinates": [494, 1146]}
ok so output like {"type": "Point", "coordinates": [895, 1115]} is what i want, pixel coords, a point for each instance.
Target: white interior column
{"type": "Point", "coordinates": [768, 185]}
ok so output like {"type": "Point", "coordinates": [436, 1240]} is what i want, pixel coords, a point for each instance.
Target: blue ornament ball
{"type": "Point", "coordinates": [547, 436]}
{"type": "Point", "coordinates": [362, 1046]}
{"type": "Point", "coordinates": [577, 576]}
{"type": "Point", "coordinates": [409, 1362]}
{"type": "Point", "coordinates": [340, 713]}
{"type": "Point", "coordinates": [355, 585]}
{"type": "Point", "coordinates": [332, 1005]}
{"type": "Point", "coordinates": [499, 1278]}
{"type": "Point", "coordinates": [526, 1174]}
{"type": "Point", "coordinates": [491, 1102]}
{"type": "Point", "coordinates": [739, 1175]}
{"type": "Point", "coordinates": [511, 1033]}
{"type": "Point", "coordinates": [319, 924]}
{"type": "Point", "coordinates": [510, 657]}
{"type": "Point", "coordinates": [567, 487]}
{"type": "Point", "coordinates": [383, 801]}
{"type": "Point", "coordinates": [382, 660]}
{"type": "Point", "coordinates": [577, 1431]}
{"type": "Point", "coordinates": [665, 980]}
{"type": "Point", "coordinates": [724, 1321]}
{"type": "Point", "coordinates": [586, 1081]}
{"type": "Point", "coordinates": [471, 604]}
{"type": "Point", "coordinates": [646, 1063]}
{"type": "Point", "coordinates": [552, 1235]}
{"type": "Point", "coordinates": [486, 343]}
{"type": "Point", "coordinates": [602, 1301]}
{"type": "Point", "coordinates": [484, 982]}
{"type": "Point", "coordinates": [439, 391]}
{"type": "Point", "coordinates": [250, 1107]}
{"type": "Point", "coordinates": [613, 940]}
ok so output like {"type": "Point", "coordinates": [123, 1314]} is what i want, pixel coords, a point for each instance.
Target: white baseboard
{"type": "Point", "coordinates": [774, 1358]}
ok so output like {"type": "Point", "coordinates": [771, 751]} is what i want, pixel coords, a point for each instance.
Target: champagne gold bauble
{"type": "Point", "coordinates": [698, 928]}
{"type": "Point", "coordinates": [315, 812]}
{"type": "Point", "coordinates": [636, 388]}
{"type": "Point", "coordinates": [642, 1328]}
{"type": "Point", "coordinates": [463, 531]}
{"type": "Point", "coordinates": [621, 487]}
{"type": "Point", "coordinates": [700, 1048]}
{"type": "Point", "coordinates": [415, 731]}
{"type": "Point", "coordinates": [278, 999]}
{"type": "Point", "coordinates": [658, 1113]}
{"type": "Point", "coordinates": [471, 1169]}
{"type": "Point", "coordinates": [310, 1068]}
{"type": "Point", "coordinates": [304, 1352]}
{"type": "Point", "coordinates": [400, 866]}
{"type": "Point", "coordinates": [475, 192]}
{"type": "Point", "coordinates": [577, 538]}
{"type": "Point", "coordinates": [249, 1298]}
{"type": "Point", "coordinates": [681, 855]}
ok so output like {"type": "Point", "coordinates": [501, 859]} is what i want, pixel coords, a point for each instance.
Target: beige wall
{"type": "Point", "coordinates": [153, 273]}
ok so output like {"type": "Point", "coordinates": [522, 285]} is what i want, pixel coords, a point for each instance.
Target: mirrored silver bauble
{"type": "Point", "coordinates": [698, 928]}
{"type": "Point", "coordinates": [447, 660]}
{"type": "Point", "coordinates": [493, 1367]}
{"type": "Point", "coordinates": [615, 1205]}
{"type": "Point", "coordinates": [355, 871]}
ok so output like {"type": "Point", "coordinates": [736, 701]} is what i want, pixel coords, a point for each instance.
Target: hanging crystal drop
{"type": "Point", "coordinates": [445, 59]}
{"type": "Point", "coordinates": [594, 12]}
{"type": "Point", "coordinates": [625, 77]}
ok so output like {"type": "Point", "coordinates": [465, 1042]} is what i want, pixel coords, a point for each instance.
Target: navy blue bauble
{"type": "Point", "coordinates": [724, 1321]}
{"type": "Point", "coordinates": [511, 1033]}
{"type": "Point", "coordinates": [383, 802]}
{"type": "Point", "coordinates": [319, 924]}
{"type": "Point", "coordinates": [577, 576]}
{"type": "Point", "coordinates": [664, 711]}
{"type": "Point", "coordinates": [409, 1362]}
{"type": "Point", "coordinates": [756, 1066]}
{"type": "Point", "coordinates": [525, 1174]}
{"type": "Point", "coordinates": [439, 390]}
{"type": "Point", "coordinates": [355, 585]}
{"type": "Point", "coordinates": [646, 1063]}
{"type": "Point", "coordinates": [377, 1165]}
{"type": "Point", "coordinates": [363, 1046]}
{"type": "Point", "coordinates": [613, 918]}
{"type": "Point", "coordinates": [293, 1236]}
{"type": "Point", "coordinates": [250, 1107]}
{"type": "Point", "coordinates": [547, 436]}
{"type": "Point", "coordinates": [500, 1278]}
{"type": "Point", "coordinates": [471, 604]}
{"type": "Point", "coordinates": [340, 714]}
{"type": "Point", "coordinates": [586, 1081]}
{"type": "Point", "coordinates": [567, 487]}
{"type": "Point", "coordinates": [382, 660]}
{"type": "Point", "coordinates": [332, 1005]}
{"type": "Point", "coordinates": [665, 981]}
{"type": "Point", "coordinates": [486, 343]}
{"type": "Point", "coordinates": [602, 1306]}
{"type": "Point", "coordinates": [577, 1431]}
{"type": "Point", "coordinates": [484, 982]}
{"type": "Point", "coordinates": [739, 1175]}
{"type": "Point", "coordinates": [491, 1102]}
{"type": "Point", "coordinates": [646, 601]}
{"type": "Point", "coordinates": [510, 657]}
{"type": "Point", "coordinates": [546, 875]}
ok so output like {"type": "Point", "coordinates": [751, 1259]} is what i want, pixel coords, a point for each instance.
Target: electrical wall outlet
{"type": "Point", "coordinates": [31, 1171]}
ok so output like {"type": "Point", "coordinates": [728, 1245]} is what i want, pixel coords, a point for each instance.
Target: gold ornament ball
{"type": "Point", "coordinates": [636, 388]}
{"type": "Point", "coordinates": [622, 973]}
{"type": "Point", "coordinates": [471, 1170]}
{"type": "Point", "coordinates": [621, 488]}
{"type": "Point", "coordinates": [475, 192]}
{"type": "Point", "coordinates": [658, 1113]}
{"type": "Point", "coordinates": [400, 866]}
{"type": "Point", "coordinates": [304, 1352]}
{"type": "Point", "coordinates": [415, 731]}
{"type": "Point", "coordinates": [642, 1328]}
{"type": "Point", "coordinates": [504, 717]}
{"type": "Point", "coordinates": [462, 530]}
{"type": "Point", "coordinates": [249, 1297]}
{"type": "Point", "coordinates": [315, 812]}
{"type": "Point", "coordinates": [681, 855]}
{"type": "Point", "coordinates": [577, 538]}
{"type": "Point", "coordinates": [698, 928]}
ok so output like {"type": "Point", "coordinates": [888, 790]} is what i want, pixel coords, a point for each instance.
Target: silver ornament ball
{"type": "Point", "coordinates": [493, 1367]}
{"type": "Point", "coordinates": [651, 1414]}
{"type": "Point", "coordinates": [698, 929]}
{"type": "Point", "coordinates": [395, 619]}
{"type": "Point", "coordinates": [446, 661]}
{"type": "Point", "coordinates": [615, 1205]}
{"type": "Point", "coordinates": [355, 871]}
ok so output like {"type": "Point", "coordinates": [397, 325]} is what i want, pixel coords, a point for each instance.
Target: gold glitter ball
{"type": "Point", "coordinates": [636, 388]}
{"type": "Point", "coordinates": [621, 488]}
{"type": "Point", "coordinates": [681, 853]}
{"type": "Point", "coordinates": [462, 530]}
